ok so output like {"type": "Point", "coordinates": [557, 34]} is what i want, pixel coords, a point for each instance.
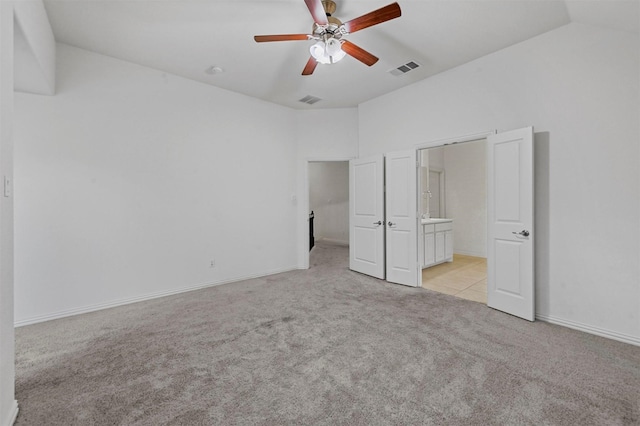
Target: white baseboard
{"type": "Point", "coordinates": [331, 241]}
{"type": "Point", "coordinates": [142, 298]}
{"type": "Point", "coordinates": [13, 414]}
{"type": "Point", "coordinates": [471, 253]}
{"type": "Point", "coordinates": [621, 337]}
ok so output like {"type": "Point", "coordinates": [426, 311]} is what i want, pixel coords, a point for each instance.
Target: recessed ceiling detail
{"type": "Point", "coordinates": [438, 35]}
{"type": "Point", "coordinates": [403, 69]}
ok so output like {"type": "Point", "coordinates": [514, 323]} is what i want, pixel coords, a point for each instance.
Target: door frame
{"type": "Point", "coordinates": [454, 140]}
{"type": "Point", "coordinates": [443, 142]}
{"type": "Point", "coordinates": [303, 207]}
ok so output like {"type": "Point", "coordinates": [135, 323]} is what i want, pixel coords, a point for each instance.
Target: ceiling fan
{"type": "Point", "coordinates": [329, 32]}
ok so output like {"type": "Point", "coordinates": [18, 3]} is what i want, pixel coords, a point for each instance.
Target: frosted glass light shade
{"type": "Point", "coordinates": [328, 52]}
{"type": "Point", "coordinates": [333, 47]}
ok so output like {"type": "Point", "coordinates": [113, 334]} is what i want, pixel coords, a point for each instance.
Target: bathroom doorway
{"type": "Point", "coordinates": [453, 207]}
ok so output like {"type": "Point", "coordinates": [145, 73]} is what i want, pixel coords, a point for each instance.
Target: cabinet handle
{"type": "Point", "coordinates": [378, 223]}
{"type": "Point", "coordinates": [390, 224]}
{"type": "Point", "coordinates": [523, 233]}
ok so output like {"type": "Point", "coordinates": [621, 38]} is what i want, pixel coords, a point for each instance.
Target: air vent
{"type": "Point", "coordinates": [309, 99]}
{"type": "Point", "coordinates": [403, 69]}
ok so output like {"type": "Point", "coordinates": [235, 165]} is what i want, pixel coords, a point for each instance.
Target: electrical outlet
{"type": "Point", "coordinates": [212, 264]}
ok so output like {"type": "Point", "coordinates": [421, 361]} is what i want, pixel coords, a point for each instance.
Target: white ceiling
{"type": "Point", "coordinates": [185, 37]}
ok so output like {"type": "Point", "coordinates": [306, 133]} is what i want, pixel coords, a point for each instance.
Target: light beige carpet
{"type": "Point", "coordinates": [325, 346]}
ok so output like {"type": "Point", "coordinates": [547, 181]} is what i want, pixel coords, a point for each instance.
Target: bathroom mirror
{"type": "Point", "coordinates": [432, 183]}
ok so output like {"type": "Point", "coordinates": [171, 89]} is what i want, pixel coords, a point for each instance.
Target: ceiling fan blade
{"type": "Point", "coordinates": [358, 53]}
{"type": "Point", "coordinates": [378, 16]}
{"type": "Point", "coordinates": [280, 37]}
{"type": "Point", "coordinates": [310, 67]}
{"type": "Point", "coordinates": [317, 11]}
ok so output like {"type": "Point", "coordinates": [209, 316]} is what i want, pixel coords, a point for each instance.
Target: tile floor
{"type": "Point", "coordinates": [465, 277]}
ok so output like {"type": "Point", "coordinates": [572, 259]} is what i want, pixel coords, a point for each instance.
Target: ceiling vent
{"type": "Point", "coordinates": [403, 69]}
{"type": "Point", "coordinates": [309, 99]}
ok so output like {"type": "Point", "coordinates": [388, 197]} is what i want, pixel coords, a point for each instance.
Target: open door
{"type": "Point", "coordinates": [401, 216]}
{"type": "Point", "coordinates": [366, 216]}
{"type": "Point", "coordinates": [510, 275]}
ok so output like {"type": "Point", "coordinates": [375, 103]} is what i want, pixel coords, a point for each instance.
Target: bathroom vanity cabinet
{"type": "Point", "coordinates": [437, 241]}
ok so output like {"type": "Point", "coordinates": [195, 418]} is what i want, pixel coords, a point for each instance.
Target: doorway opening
{"type": "Point", "coordinates": [328, 189]}
{"type": "Point", "coordinates": [453, 218]}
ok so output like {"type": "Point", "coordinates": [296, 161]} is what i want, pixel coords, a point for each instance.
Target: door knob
{"type": "Point", "coordinates": [523, 233]}
{"type": "Point", "coordinates": [390, 223]}
{"type": "Point", "coordinates": [378, 222]}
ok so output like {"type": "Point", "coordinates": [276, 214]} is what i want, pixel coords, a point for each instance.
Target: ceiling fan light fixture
{"type": "Point", "coordinates": [328, 52]}
{"type": "Point", "coordinates": [333, 47]}
{"type": "Point", "coordinates": [328, 31]}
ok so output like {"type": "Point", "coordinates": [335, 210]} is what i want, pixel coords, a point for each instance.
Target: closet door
{"type": "Point", "coordinates": [402, 217]}
{"type": "Point", "coordinates": [510, 280]}
{"type": "Point", "coordinates": [366, 216]}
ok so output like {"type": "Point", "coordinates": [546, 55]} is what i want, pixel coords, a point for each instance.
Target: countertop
{"type": "Point", "coordinates": [433, 220]}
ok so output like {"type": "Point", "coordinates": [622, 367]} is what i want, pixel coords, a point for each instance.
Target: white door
{"type": "Point", "coordinates": [402, 218]}
{"type": "Point", "coordinates": [366, 216]}
{"type": "Point", "coordinates": [510, 280]}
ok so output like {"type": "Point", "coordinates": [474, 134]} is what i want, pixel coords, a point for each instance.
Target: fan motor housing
{"type": "Point", "coordinates": [329, 6]}
{"type": "Point", "coordinates": [334, 23]}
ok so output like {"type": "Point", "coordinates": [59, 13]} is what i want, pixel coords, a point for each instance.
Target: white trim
{"type": "Point", "coordinates": [458, 139]}
{"type": "Point", "coordinates": [328, 159]}
{"type": "Point", "coordinates": [332, 241]}
{"type": "Point", "coordinates": [13, 414]}
{"type": "Point", "coordinates": [127, 301]}
{"type": "Point", "coordinates": [614, 335]}
{"type": "Point", "coordinates": [471, 253]}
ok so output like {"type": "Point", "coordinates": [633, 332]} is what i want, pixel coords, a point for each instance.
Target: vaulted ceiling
{"type": "Point", "coordinates": [189, 37]}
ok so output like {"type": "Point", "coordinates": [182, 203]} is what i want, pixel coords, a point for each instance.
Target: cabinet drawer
{"type": "Point", "coordinates": [428, 229]}
{"type": "Point", "coordinates": [443, 226]}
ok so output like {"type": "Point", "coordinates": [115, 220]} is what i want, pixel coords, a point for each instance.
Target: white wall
{"type": "Point", "coordinates": [578, 85]}
{"type": "Point", "coordinates": [8, 405]}
{"type": "Point", "coordinates": [130, 181]}
{"type": "Point", "coordinates": [339, 142]}
{"type": "Point", "coordinates": [35, 49]}
{"type": "Point", "coordinates": [329, 200]}
{"type": "Point", "coordinates": [466, 196]}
